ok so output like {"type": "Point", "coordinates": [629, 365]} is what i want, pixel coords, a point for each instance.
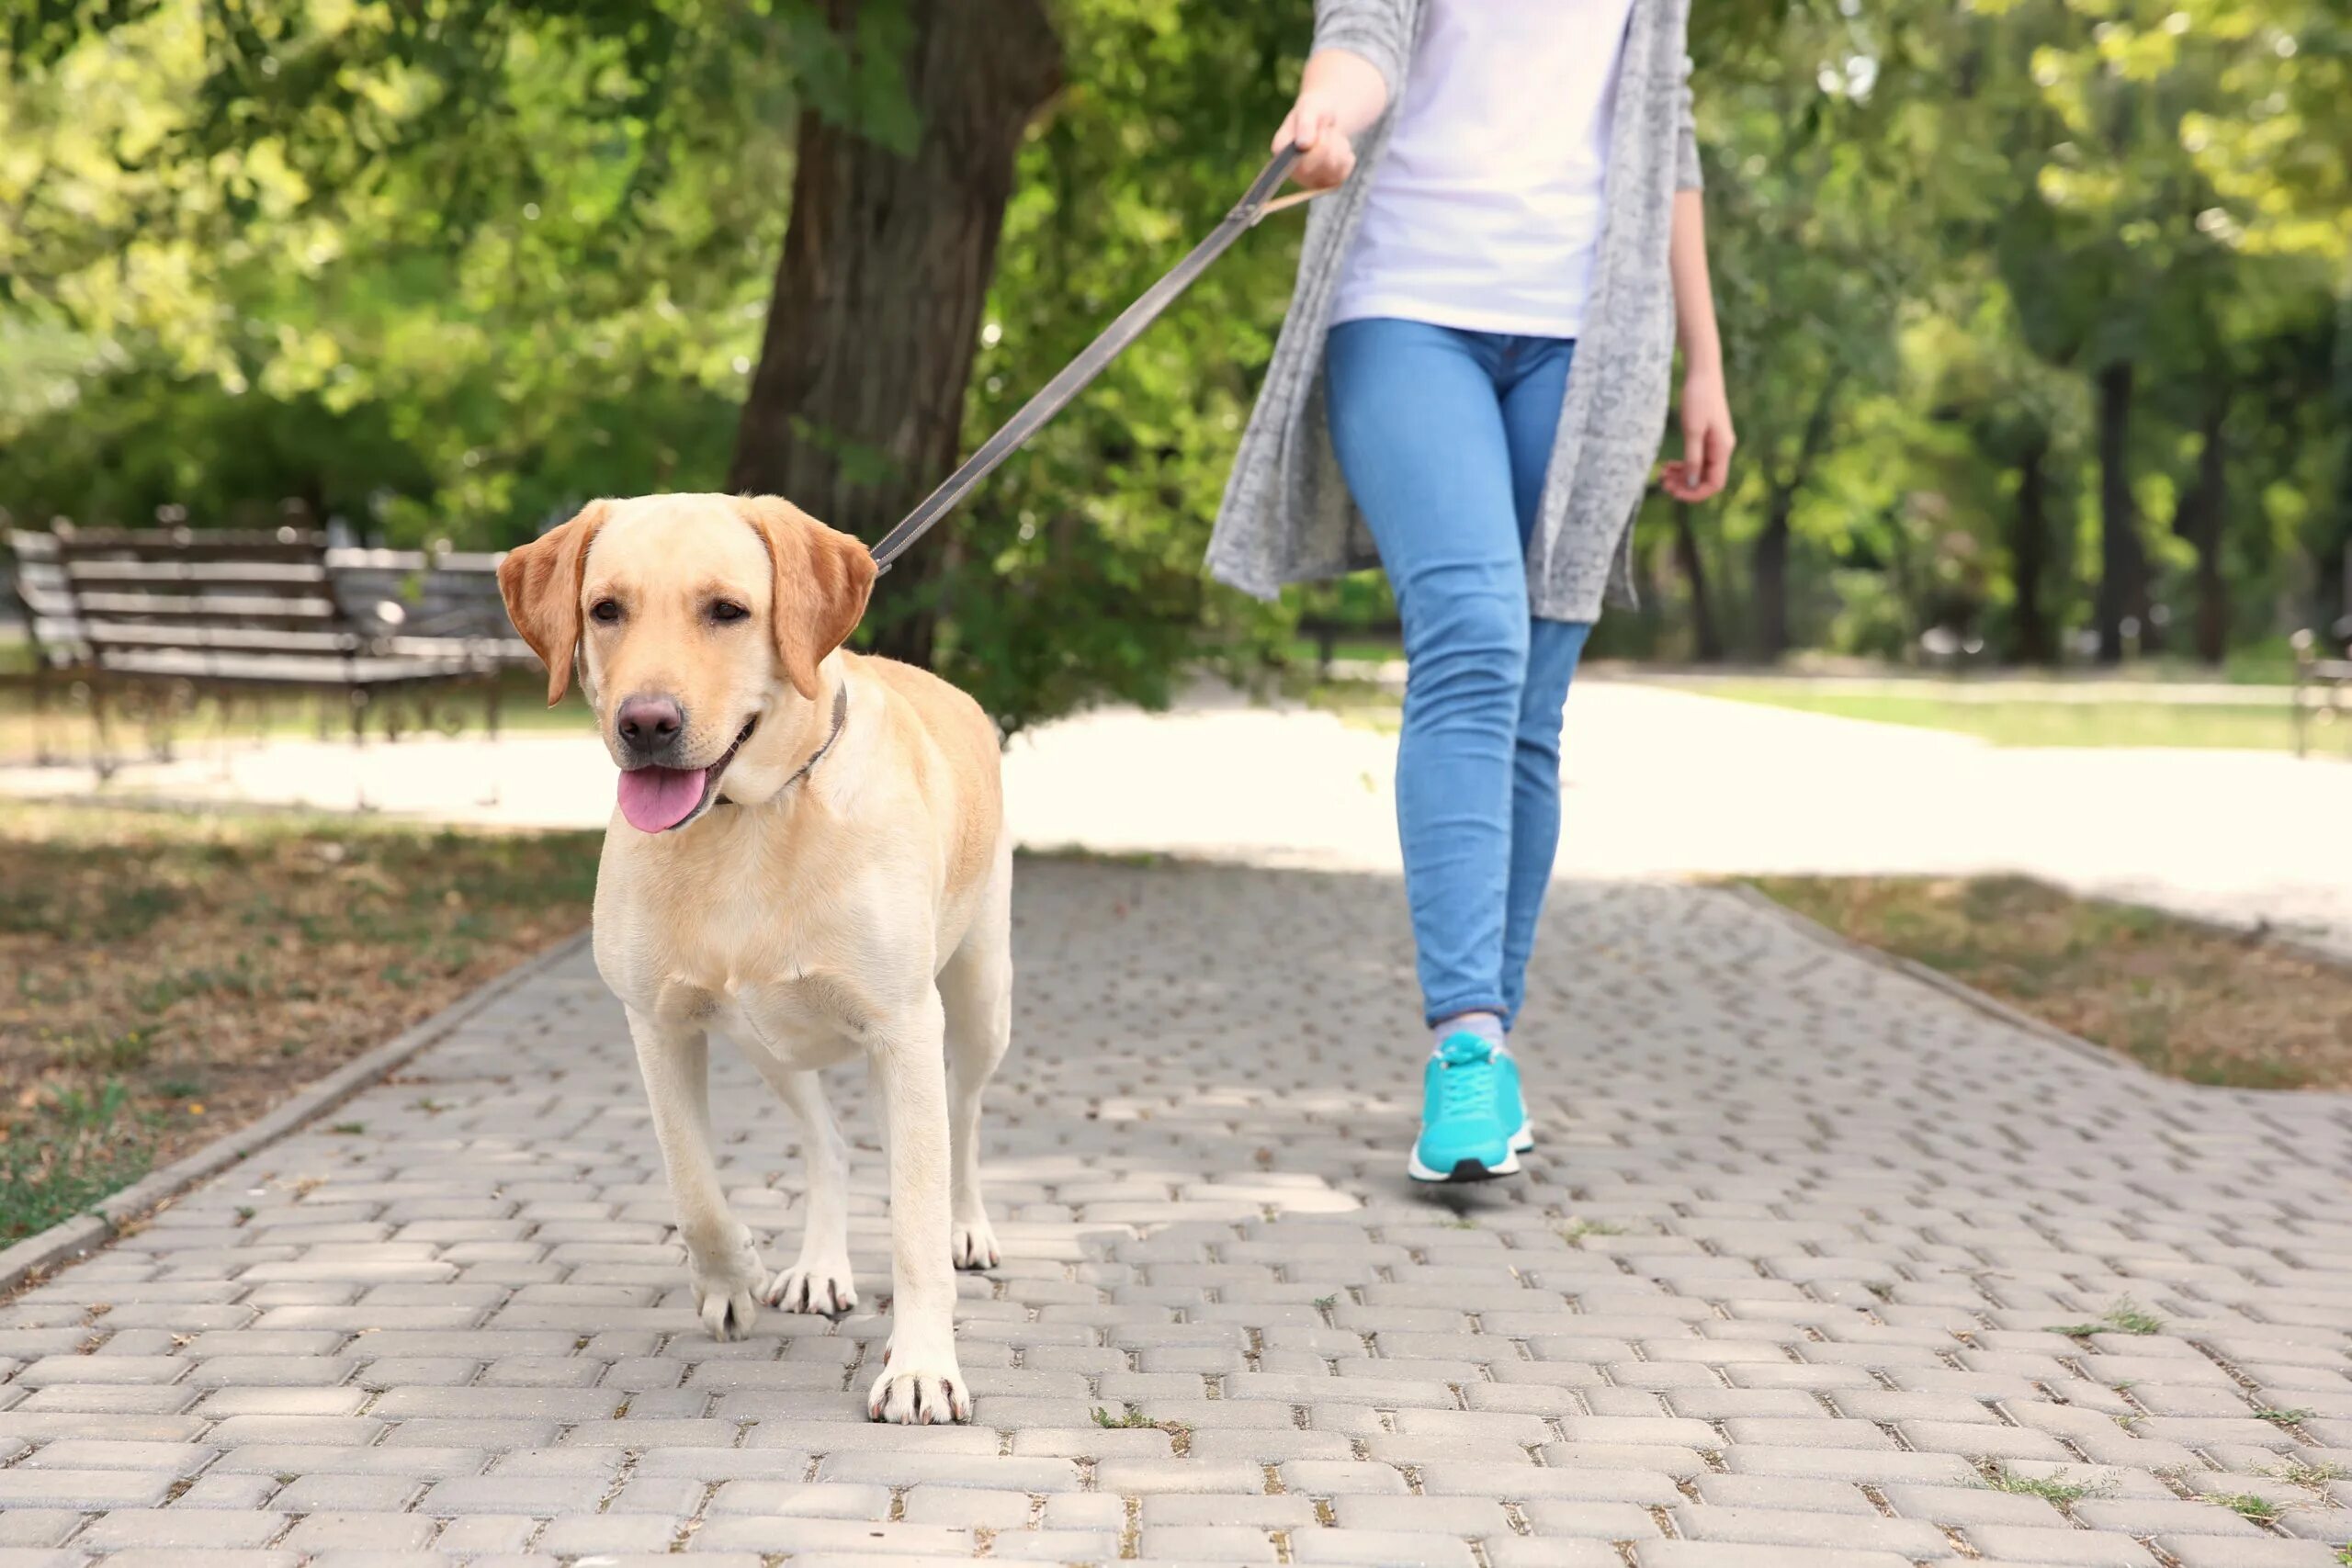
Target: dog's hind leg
{"type": "Point", "coordinates": [722, 1262]}
{"type": "Point", "coordinates": [976, 989]}
{"type": "Point", "coordinates": [819, 1280]}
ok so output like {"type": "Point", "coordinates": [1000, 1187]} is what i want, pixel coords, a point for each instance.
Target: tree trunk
{"type": "Point", "coordinates": [2122, 568]}
{"type": "Point", "coordinates": [1771, 555]}
{"type": "Point", "coordinates": [1707, 640]}
{"type": "Point", "coordinates": [2031, 638]}
{"type": "Point", "coordinates": [856, 409]}
{"type": "Point", "coordinates": [1771, 572]}
{"type": "Point", "coordinates": [2203, 522]}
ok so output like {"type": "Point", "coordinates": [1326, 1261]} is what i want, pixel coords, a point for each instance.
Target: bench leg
{"type": "Point", "coordinates": [2302, 717]}
{"type": "Point", "coordinates": [358, 699]}
{"type": "Point", "coordinates": [102, 736]}
{"type": "Point", "coordinates": [491, 693]}
{"type": "Point", "coordinates": [42, 676]}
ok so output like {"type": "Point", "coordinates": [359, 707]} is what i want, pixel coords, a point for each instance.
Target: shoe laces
{"type": "Point", "coordinates": [1465, 1083]}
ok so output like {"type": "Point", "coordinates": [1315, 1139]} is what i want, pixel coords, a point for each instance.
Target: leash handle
{"type": "Point", "coordinates": [1073, 377]}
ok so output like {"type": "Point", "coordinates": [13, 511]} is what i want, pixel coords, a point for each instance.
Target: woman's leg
{"type": "Point", "coordinates": [1535, 381]}
{"type": "Point", "coordinates": [1420, 434]}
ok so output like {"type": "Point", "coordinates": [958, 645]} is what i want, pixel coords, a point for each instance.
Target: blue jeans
{"type": "Point", "coordinates": [1445, 437]}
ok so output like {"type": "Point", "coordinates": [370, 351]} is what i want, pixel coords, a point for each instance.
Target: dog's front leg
{"type": "Point", "coordinates": [920, 1381]}
{"type": "Point", "coordinates": [819, 1280]}
{"type": "Point", "coordinates": [721, 1260]}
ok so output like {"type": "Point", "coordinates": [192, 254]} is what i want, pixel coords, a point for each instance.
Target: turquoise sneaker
{"type": "Point", "coordinates": [1463, 1134]}
{"type": "Point", "coordinates": [1510, 1105]}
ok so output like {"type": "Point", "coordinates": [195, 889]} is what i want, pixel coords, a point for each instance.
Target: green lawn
{"type": "Point", "coordinates": [2265, 726]}
{"type": "Point", "coordinates": [1306, 652]}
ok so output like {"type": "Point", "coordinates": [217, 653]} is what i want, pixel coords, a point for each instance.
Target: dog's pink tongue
{"type": "Point", "coordinates": [658, 798]}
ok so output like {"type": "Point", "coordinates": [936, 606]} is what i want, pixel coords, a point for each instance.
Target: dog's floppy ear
{"type": "Point", "coordinates": [822, 579]}
{"type": "Point", "coordinates": [540, 582]}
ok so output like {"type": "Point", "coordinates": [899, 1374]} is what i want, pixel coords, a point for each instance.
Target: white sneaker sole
{"type": "Point", "coordinates": [1470, 1170]}
{"type": "Point", "coordinates": [1463, 1172]}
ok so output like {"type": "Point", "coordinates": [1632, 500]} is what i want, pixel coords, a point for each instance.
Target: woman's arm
{"type": "Point", "coordinates": [1341, 96]}
{"type": "Point", "coordinates": [1358, 59]}
{"type": "Point", "coordinates": [1707, 439]}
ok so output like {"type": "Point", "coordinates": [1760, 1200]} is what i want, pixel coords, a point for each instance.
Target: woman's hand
{"type": "Point", "coordinates": [1339, 98]}
{"type": "Point", "coordinates": [1707, 440]}
{"type": "Point", "coordinates": [1325, 157]}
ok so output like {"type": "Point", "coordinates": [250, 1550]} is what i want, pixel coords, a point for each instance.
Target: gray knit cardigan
{"type": "Point", "coordinates": [1287, 516]}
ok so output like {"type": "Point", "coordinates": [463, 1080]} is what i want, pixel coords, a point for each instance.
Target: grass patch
{"type": "Point", "coordinates": [1127, 1420]}
{"type": "Point", "coordinates": [1180, 1435]}
{"type": "Point", "coordinates": [2311, 1475]}
{"type": "Point", "coordinates": [1576, 1230]}
{"type": "Point", "coordinates": [2187, 1001]}
{"type": "Point", "coordinates": [1306, 653]}
{"type": "Point", "coordinates": [2283, 1417]}
{"type": "Point", "coordinates": [164, 979]}
{"type": "Point", "coordinates": [2247, 1505]}
{"type": "Point", "coordinates": [2051, 1488]}
{"type": "Point", "coordinates": [90, 1143]}
{"type": "Point", "coordinates": [2023, 721]}
{"type": "Point", "coordinates": [2124, 1317]}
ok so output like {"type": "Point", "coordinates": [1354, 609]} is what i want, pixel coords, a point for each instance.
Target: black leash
{"type": "Point", "coordinates": [1129, 325]}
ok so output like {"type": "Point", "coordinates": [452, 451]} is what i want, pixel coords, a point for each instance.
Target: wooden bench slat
{"type": "Point", "coordinates": [242, 638]}
{"type": "Point", "coordinates": [252, 576]}
{"type": "Point", "coordinates": [216, 606]}
{"type": "Point", "coordinates": [280, 670]}
{"type": "Point", "coordinates": [260, 611]}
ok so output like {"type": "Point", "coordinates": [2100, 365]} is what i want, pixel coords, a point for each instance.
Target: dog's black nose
{"type": "Point", "coordinates": [648, 725]}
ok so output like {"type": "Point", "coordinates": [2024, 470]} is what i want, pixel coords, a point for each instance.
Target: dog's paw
{"type": "Point", "coordinates": [727, 1289]}
{"type": "Point", "coordinates": [818, 1285]}
{"type": "Point", "coordinates": [918, 1390]}
{"type": "Point", "coordinates": [971, 1244]}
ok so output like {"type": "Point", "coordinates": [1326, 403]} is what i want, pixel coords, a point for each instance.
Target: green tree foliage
{"type": "Point", "coordinates": [447, 270]}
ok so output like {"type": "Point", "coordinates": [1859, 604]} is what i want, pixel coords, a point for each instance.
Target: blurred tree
{"type": "Point", "coordinates": [450, 270]}
{"type": "Point", "coordinates": [856, 409]}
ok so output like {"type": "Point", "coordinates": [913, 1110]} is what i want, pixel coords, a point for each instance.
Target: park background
{"type": "Point", "coordinates": [2037, 322]}
{"type": "Point", "coordinates": [2038, 315]}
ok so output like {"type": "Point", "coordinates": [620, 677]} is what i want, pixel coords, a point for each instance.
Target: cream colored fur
{"type": "Point", "coordinates": [864, 910]}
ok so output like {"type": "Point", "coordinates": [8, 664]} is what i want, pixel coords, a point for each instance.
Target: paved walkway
{"type": "Point", "coordinates": [1781, 1289]}
{"type": "Point", "coordinates": [1661, 782]}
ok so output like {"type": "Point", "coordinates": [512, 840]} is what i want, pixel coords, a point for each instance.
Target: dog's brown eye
{"type": "Point", "coordinates": [606, 611]}
{"type": "Point", "coordinates": [726, 612]}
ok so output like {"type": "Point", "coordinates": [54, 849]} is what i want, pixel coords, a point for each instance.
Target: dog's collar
{"type": "Point", "coordinates": [841, 716]}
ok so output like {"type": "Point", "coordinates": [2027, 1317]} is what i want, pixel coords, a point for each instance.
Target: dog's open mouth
{"type": "Point", "coordinates": [655, 800]}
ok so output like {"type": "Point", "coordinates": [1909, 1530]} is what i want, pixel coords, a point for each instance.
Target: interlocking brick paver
{"type": "Point", "coordinates": [1784, 1273]}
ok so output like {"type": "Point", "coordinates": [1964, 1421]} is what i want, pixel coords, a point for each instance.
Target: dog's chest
{"type": "Point", "coordinates": [745, 956]}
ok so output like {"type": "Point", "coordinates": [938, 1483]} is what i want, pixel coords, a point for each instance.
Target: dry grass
{"type": "Point", "coordinates": [2187, 1001]}
{"type": "Point", "coordinates": [165, 978]}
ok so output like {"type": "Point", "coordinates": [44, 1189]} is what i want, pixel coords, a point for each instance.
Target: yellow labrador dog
{"type": "Point", "coordinates": [808, 854]}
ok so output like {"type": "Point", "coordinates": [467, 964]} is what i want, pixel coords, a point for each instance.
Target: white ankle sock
{"type": "Point", "coordinates": [1487, 1026]}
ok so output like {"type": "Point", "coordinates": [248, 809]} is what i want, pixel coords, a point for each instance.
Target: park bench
{"type": "Point", "coordinates": [149, 621]}
{"type": "Point", "coordinates": [2323, 679]}
{"type": "Point", "coordinates": [435, 602]}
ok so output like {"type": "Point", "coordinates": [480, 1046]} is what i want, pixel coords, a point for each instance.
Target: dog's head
{"type": "Point", "coordinates": [693, 619]}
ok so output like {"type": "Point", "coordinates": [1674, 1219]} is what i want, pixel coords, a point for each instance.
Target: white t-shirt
{"type": "Point", "coordinates": [1485, 209]}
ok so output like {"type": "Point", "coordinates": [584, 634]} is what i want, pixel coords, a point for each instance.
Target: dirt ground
{"type": "Point", "coordinates": [2188, 1000]}
{"type": "Point", "coordinates": [165, 978]}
